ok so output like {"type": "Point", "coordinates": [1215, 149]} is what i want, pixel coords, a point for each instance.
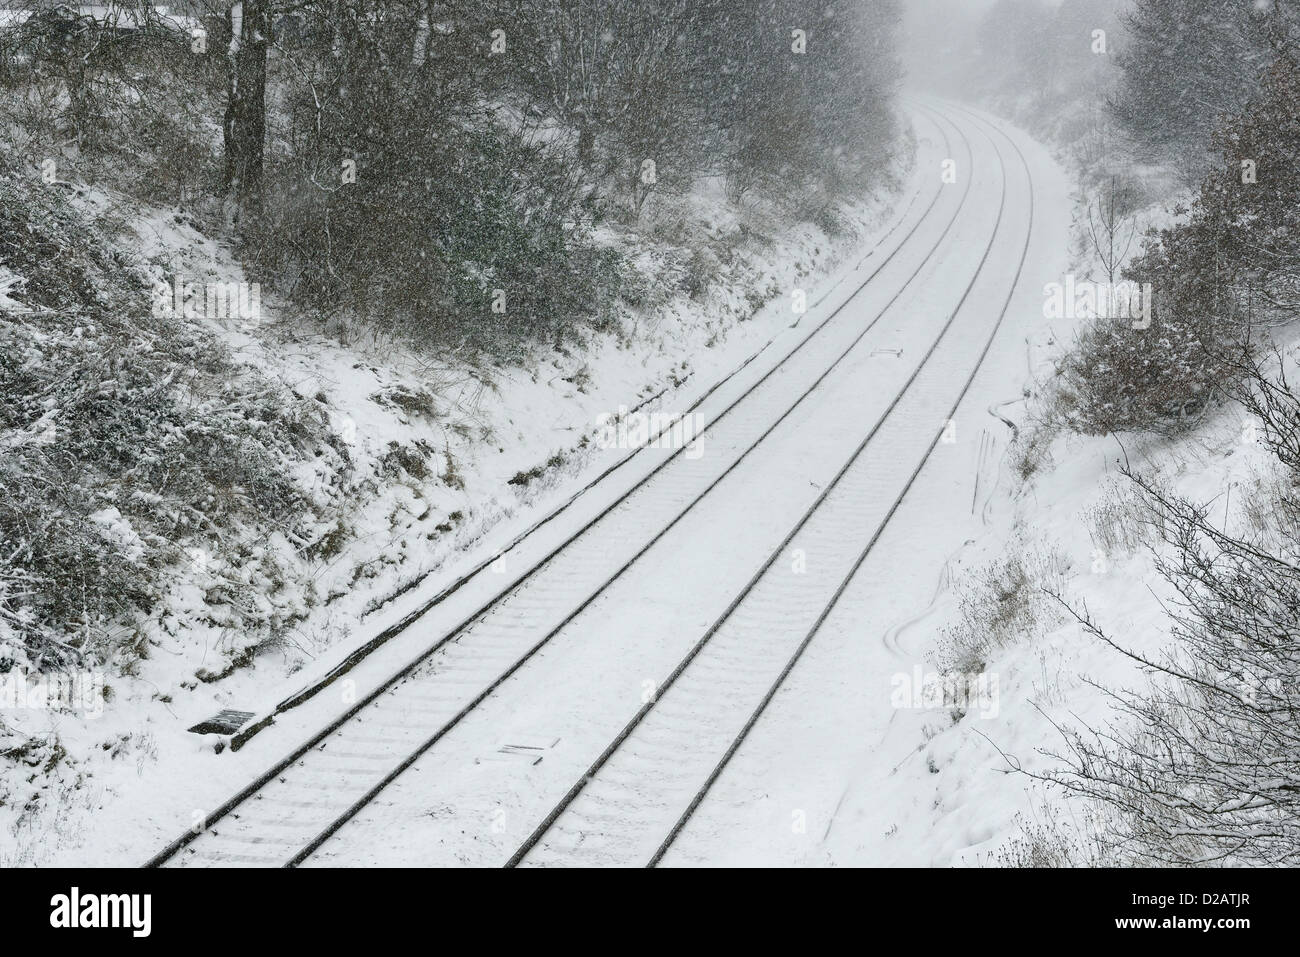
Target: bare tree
{"type": "Point", "coordinates": [1111, 228]}
{"type": "Point", "coordinates": [1203, 766]}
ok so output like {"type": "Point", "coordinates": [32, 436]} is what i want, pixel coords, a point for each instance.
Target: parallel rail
{"type": "Point", "coordinates": [741, 663]}
{"type": "Point", "coordinates": [280, 773]}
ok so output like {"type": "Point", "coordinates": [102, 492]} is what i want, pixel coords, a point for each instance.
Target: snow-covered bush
{"type": "Point", "coordinates": [1115, 521]}
{"type": "Point", "coordinates": [1003, 602]}
{"type": "Point", "coordinates": [450, 237]}
{"type": "Point", "coordinates": [1189, 62]}
{"type": "Point", "coordinates": [403, 199]}
{"type": "Point", "coordinates": [122, 108]}
{"type": "Point", "coordinates": [1120, 379]}
{"type": "Point", "coordinates": [1231, 266]}
{"type": "Point", "coordinates": [1031, 449]}
{"type": "Point", "coordinates": [130, 442]}
{"type": "Point", "coordinates": [1203, 766]}
{"type": "Point", "coordinates": [1049, 839]}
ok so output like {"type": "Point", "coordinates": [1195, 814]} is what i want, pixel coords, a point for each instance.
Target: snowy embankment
{"type": "Point", "coordinates": [936, 782]}
{"type": "Point", "coordinates": [449, 461]}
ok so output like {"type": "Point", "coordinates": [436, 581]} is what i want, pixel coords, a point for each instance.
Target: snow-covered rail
{"type": "Point", "coordinates": [629, 807]}
{"type": "Point", "coordinates": [284, 816]}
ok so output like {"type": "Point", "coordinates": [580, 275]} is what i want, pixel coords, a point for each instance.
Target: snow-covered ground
{"type": "Point", "coordinates": [849, 763]}
{"type": "Point", "coordinates": [135, 776]}
{"type": "Point", "coordinates": [834, 727]}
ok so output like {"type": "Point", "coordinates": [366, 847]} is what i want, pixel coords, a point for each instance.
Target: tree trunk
{"type": "Point", "coordinates": [245, 122]}
{"type": "Point", "coordinates": [586, 141]}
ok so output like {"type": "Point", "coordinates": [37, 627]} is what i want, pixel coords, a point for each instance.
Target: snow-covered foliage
{"type": "Point", "coordinates": [1002, 603]}
{"type": "Point", "coordinates": [447, 184]}
{"type": "Point", "coordinates": [130, 442]}
{"type": "Point", "coordinates": [1201, 766]}
{"type": "Point", "coordinates": [1229, 267]}
{"type": "Point", "coordinates": [1188, 65]}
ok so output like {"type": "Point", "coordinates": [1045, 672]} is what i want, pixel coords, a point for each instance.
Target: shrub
{"type": "Point", "coordinates": [1002, 602]}
{"type": "Point", "coordinates": [135, 105]}
{"type": "Point", "coordinates": [1203, 766]}
{"type": "Point", "coordinates": [1115, 521]}
{"type": "Point", "coordinates": [1031, 449]}
{"type": "Point", "coordinates": [1231, 266]}
{"type": "Point", "coordinates": [1053, 842]}
{"type": "Point", "coordinates": [444, 202]}
{"type": "Point", "coordinates": [1120, 379]}
{"type": "Point", "coordinates": [126, 438]}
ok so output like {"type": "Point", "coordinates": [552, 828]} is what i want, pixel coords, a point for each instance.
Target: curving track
{"type": "Point", "coordinates": [643, 786]}
{"type": "Point", "coordinates": [642, 791]}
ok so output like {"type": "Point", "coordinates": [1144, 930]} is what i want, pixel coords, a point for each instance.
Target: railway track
{"type": "Point", "coordinates": [288, 813]}
{"type": "Point", "coordinates": [639, 795]}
